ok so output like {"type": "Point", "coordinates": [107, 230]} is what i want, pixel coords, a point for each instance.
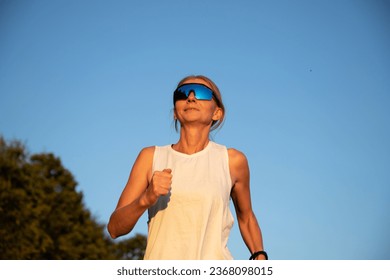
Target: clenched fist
{"type": "Point", "coordinates": [159, 185]}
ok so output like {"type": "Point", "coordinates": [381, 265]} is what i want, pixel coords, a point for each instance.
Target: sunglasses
{"type": "Point", "coordinates": [201, 92]}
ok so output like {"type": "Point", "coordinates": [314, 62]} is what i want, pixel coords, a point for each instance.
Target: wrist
{"type": "Point", "coordinates": [259, 255]}
{"type": "Point", "coordinates": [143, 201]}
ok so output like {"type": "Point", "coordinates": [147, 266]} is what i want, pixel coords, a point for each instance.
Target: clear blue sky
{"type": "Point", "coordinates": [306, 85]}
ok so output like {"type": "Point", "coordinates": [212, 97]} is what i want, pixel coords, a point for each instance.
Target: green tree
{"type": "Point", "coordinates": [42, 215]}
{"type": "Point", "coordinates": [131, 249]}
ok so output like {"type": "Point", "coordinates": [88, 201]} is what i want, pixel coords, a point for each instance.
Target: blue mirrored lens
{"type": "Point", "coordinates": [200, 91]}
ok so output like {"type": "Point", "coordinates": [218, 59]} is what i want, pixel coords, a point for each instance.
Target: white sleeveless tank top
{"type": "Point", "coordinates": [194, 220]}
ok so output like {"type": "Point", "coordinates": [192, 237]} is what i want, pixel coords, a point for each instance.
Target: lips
{"type": "Point", "coordinates": [190, 109]}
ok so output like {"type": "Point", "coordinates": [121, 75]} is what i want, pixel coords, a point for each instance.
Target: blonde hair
{"type": "Point", "coordinates": [217, 97]}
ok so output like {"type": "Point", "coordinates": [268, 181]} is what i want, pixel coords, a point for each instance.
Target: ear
{"type": "Point", "coordinates": [217, 114]}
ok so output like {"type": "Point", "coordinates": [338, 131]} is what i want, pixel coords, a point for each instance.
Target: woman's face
{"type": "Point", "coordinates": [194, 111]}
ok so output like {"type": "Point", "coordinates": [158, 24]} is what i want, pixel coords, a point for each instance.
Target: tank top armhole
{"type": "Point", "coordinates": [155, 158]}
{"type": "Point", "coordinates": [228, 168]}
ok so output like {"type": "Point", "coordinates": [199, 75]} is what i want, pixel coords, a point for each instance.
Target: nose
{"type": "Point", "coordinates": [191, 97]}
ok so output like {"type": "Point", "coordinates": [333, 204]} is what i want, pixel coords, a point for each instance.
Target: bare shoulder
{"type": "Point", "coordinates": [143, 163]}
{"type": "Point", "coordinates": [236, 157]}
{"type": "Point", "coordinates": [238, 165]}
{"type": "Point", "coordinates": [147, 152]}
{"type": "Point", "coordinates": [146, 155]}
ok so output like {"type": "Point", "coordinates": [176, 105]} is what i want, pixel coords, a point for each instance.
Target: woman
{"type": "Point", "coordinates": [186, 187]}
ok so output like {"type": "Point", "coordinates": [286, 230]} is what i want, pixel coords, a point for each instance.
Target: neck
{"type": "Point", "coordinates": [192, 140]}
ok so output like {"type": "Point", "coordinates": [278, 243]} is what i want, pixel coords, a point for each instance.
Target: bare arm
{"type": "Point", "coordinates": [249, 227]}
{"type": "Point", "coordinates": [141, 192]}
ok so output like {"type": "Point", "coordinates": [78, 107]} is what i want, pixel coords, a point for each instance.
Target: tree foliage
{"type": "Point", "coordinates": [42, 215]}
